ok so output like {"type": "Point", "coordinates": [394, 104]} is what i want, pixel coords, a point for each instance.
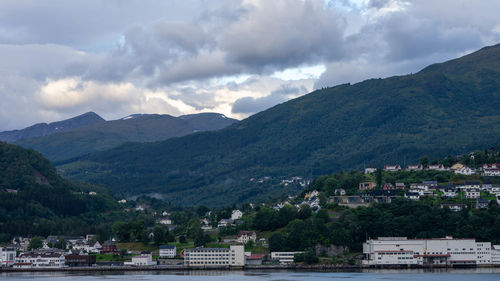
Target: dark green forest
{"type": "Point", "coordinates": [445, 109]}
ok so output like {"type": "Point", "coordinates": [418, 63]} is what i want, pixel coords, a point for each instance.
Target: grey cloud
{"type": "Point", "coordinates": [250, 105]}
{"type": "Point", "coordinates": [279, 34]}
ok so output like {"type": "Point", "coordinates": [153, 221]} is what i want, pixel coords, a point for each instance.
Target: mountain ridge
{"type": "Point", "coordinates": [447, 108]}
{"type": "Point", "coordinates": [132, 128]}
{"type": "Point", "coordinates": [44, 129]}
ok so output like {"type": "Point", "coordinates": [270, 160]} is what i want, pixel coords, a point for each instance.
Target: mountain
{"type": "Point", "coordinates": [133, 128]}
{"type": "Point", "coordinates": [35, 200]}
{"type": "Point", "coordinates": [445, 109]}
{"type": "Point", "coordinates": [44, 129]}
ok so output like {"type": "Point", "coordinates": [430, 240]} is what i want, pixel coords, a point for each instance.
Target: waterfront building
{"type": "Point", "coordinates": [40, 259]}
{"type": "Point", "coordinates": [168, 251]}
{"type": "Point", "coordinates": [284, 257]}
{"type": "Point", "coordinates": [142, 260]}
{"type": "Point", "coordinates": [7, 256]}
{"type": "Point", "coordinates": [441, 251]}
{"type": "Point", "coordinates": [206, 257]}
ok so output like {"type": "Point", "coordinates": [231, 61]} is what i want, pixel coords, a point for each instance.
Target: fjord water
{"type": "Point", "coordinates": [409, 275]}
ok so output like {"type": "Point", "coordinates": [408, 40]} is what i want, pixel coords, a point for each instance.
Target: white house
{"type": "Point", "coordinates": [412, 195]}
{"type": "Point", "coordinates": [449, 192]}
{"type": "Point", "coordinates": [168, 251]}
{"type": "Point", "coordinates": [165, 221]}
{"type": "Point", "coordinates": [246, 235]}
{"type": "Point", "coordinates": [472, 193]}
{"type": "Point", "coordinates": [370, 170]}
{"type": "Point", "coordinates": [437, 251]}
{"type": "Point", "coordinates": [225, 222]}
{"type": "Point", "coordinates": [206, 257]}
{"type": "Point", "coordinates": [236, 214]}
{"type": "Point", "coordinates": [457, 207]}
{"type": "Point", "coordinates": [284, 257]}
{"type": "Point", "coordinates": [438, 167]}
{"type": "Point", "coordinates": [418, 167]}
{"type": "Point", "coordinates": [7, 256]}
{"type": "Point", "coordinates": [392, 168]}
{"type": "Point", "coordinates": [465, 171]}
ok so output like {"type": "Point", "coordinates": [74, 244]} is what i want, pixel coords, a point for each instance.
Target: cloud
{"type": "Point", "coordinates": [60, 58]}
{"type": "Point", "coordinates": [251, 105]}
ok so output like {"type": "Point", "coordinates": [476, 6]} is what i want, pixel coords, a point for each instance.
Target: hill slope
{"type": "Point", "coordinates": [34, 200]}
{"type": "Point", "coordinates": [44, 129]}
{"type": "Point", "coordinates": [134, 128]}
{"type": "Point", "coordinates": [446, 108]}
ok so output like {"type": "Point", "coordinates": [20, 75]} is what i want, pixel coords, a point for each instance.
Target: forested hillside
{"type": "Point", "coordinates": [34, 200]}
{"type": "Point", "coordinates": [446, 109]}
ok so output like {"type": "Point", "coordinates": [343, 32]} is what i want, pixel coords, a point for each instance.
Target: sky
{"type": "Point", "coordinates": [60, 58]}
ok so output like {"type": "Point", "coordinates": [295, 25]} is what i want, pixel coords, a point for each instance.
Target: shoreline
{"type": "Point", "coordinates": [318, 268]}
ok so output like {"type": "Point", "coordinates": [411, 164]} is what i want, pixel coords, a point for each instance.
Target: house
{"type": "Point", "coordinates": [123, 201]}
{"type": "Point", "coordinates": [418, 167]}
{"type": "Point", "coordinates": [7, 256]}
{"type": "Point", "coordinates": [454, 207]}
{"type": "Point", "coordinates": [165, 221]}
{"type": "Point", "coordinates": [400, 185]}
{"type": "Point", "coordinates": [205, 224]}
{"type": "Point", "coordinates": [40, 259]}
{"type": "Point", "coordinates": [340, 191]}
{"type": "Point", "coordinates": [168, 251]}
{"type": "Point", "coordinates": [141, 260]}
{"type": "Point", "coordinates": [367, 185]}
{"type": "Point", "coordinates": [225, 222]}
{"type": "Point", "coordinates": [392, 168]}
{"type": "Point", "coordinates": [437, 167]}
{"type": "Point", "coordinates": [449, 192]}
{"type": "Point", "coordinates": [370, 170]}
{"type": "Point", "coordinates": [482, 203]}
{"type": "Point", "coordinates": [109, 248]}
{"type": "Point", "coordinates": [430, 184]}
{"type": "Point", "coordinates": [472, 193]}
{"type": "Point", "coordinates": [465, 171]}
{"type": "Point", "coordinates": [491, 173]}
{"type": "Point", "coordinates": [412, 195]}
{"type": "Point", "coordinates": [490, 166]}
{"type": "Point", "coordinates": [388, 186]}
{"type": "Point", "coordinates": [246, 235]}
{"type": "Point", "coordinates": [236, 214]}
{"type": "Point", "coordinates": [255, 259]}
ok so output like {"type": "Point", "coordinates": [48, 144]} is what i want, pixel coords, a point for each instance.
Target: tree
{"type": "Point", "coordinates": [182, 239]}
{"type": "Point", "coordinates": [159, 236]}
{"type": "Point", "coordinates": [304, 212]}
{"type": "Point", "coordinates": [277, 242]}
{"type": "Point", "coordinates": [310, 257]}
{"type": "Point", "coordinates": [35, 243]}
{"type": "Point", "coordinates": [378, 175]}
{"type": "Point", "coordinates": [424, 161]}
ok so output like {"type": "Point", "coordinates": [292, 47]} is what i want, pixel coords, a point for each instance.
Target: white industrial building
{"type": "Point", "coordinates": [232, 256]}
{"type": "Point", "coordinates": [441, 251]}
{"type": "Point", "coordinates": [141, 260]}
{"type": "Point", "coordinates": [495, 254]}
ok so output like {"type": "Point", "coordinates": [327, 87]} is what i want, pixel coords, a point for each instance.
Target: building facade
{"type": "Point", "coordinates": [206, 257]}
{"type": "Point", "coordinates": [284, 257]}
{"type": "Point", "coordinates": [442, 251]}
{"type": "Point", "coordinates": [168, 251]}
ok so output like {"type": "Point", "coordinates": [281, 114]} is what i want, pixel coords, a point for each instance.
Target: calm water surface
{"type": "Point", "coordinates": [410, 275]}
